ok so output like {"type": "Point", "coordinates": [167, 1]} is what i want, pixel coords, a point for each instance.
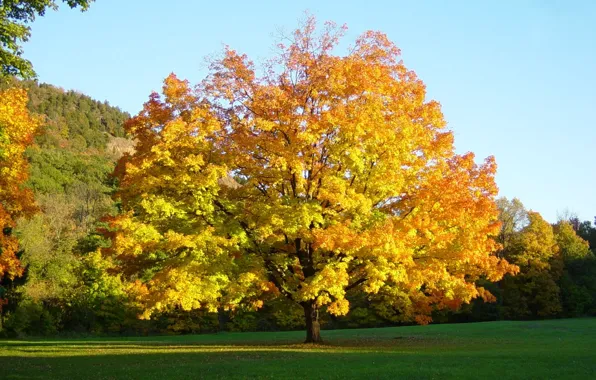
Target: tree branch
{"type": "Point", "coordinates": [355, 284]}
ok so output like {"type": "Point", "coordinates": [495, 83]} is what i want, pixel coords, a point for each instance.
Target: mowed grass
{"type": "Point", "coordinates": [555, 349]}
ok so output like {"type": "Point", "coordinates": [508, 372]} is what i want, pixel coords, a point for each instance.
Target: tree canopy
{"type": "Point", "coordinates": [323, 175]}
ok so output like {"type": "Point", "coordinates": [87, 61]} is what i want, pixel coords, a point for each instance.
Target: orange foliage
{"type": "Point", "coordinates": [17, 128]}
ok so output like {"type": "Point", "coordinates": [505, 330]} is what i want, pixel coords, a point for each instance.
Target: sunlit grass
{"type": "Point", "coordinates": [545, 349]}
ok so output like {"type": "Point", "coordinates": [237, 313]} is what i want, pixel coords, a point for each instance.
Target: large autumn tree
{"type": "Point", "coordinates": [17, 128]}
{"type": "Point", "coordinates": [318, 175]}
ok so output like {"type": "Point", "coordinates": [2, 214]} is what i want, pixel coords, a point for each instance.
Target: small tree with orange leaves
{"type": "Point", "coordinates": [17, 128]}
{"type": "Point", "coordinates": [345, 178]}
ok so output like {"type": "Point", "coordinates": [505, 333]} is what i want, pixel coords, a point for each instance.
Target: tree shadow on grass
{"type": "Point", "coordinates": [223, 342]}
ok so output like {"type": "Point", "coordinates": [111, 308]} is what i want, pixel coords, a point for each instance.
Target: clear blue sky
{"type": "Point", "coordinates": [516, 79]}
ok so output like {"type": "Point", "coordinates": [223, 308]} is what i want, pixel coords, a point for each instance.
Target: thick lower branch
{"type": "Point", "coordinates": [356, 283]}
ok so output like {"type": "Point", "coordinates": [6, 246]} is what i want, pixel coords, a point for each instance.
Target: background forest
{"type": "Point", "coordinates": [66, 288]}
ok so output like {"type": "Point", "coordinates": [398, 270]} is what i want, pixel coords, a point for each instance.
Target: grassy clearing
{"type": "Point", "coordinates": [539, 350]}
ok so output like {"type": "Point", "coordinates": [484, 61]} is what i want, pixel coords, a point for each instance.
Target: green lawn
{"type": "Point", "coordinates": [502, 350]}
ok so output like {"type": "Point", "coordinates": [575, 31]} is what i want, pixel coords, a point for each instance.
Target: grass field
{"type": "Point", "coordinates": [496, 350]}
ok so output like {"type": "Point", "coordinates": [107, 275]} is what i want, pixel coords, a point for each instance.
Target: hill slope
{"type": "Point", "coordinates": [70, 166]}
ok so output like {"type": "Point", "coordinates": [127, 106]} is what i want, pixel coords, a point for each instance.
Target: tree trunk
{"type": "Point", "coordinates": [313, 328]}
{"type": "Point", "coordinates": [222, 319]}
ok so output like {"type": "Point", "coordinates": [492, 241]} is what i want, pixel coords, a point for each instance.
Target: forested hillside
{"type": "Point", "coordinates": [71, 161]}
